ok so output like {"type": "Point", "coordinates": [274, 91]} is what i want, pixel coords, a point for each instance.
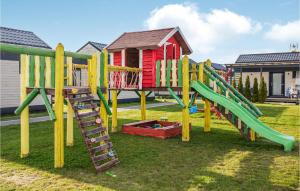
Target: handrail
{"type": "Point", "coordinates": [238, 94]}
{"type": "Point", "coordinates": [18, 49]}
{"type": "Point", "coordinates": [123, 68]}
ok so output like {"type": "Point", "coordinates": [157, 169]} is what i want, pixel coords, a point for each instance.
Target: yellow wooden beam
{"type": "Point", "coordinates": [37, 71]}
{"type": "Point", "coordinates": [201, 72]}
{"type": "Point", "coordinates": [48, 72]}
{"type": "Point", "coordinates": [70, 112]}
{"type": "Point", "coordinates": [185, 97]}
{"type": "Point", "coordinates": [80, 66]}
{"type": "Point", "coordinates": [114, 111]}
{"type": "Point", "coordinates": [194, 70]}
{"type": "Point", "coordinates": [207, 115]}
{"type": "Point", "coordinates": [143, 105]}
{"type": "Point", "coordinates": [252, 135]}
{"type": "Point", "coordinates": [59, 108]}
{"type": "Point", "coordinates": [24, 118]}
{"type": "Point", "coordinates": [93, 74]}
{"type": "Point", "coordinates": [123, 68]}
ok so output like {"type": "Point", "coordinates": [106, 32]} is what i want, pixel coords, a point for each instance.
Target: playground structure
{"type": "Point", "coordinates": [52, 73]}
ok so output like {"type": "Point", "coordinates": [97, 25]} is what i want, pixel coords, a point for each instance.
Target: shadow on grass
{"type": "Point", "coordinates": [146, 163]}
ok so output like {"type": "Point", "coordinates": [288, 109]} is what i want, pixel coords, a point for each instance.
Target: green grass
{"type": "Point", "coordinates": [219, 160]}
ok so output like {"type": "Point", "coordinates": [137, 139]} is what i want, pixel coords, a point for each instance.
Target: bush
{"type": "Point", "coordinates": [247, 88]}
{"type": "Point", "coordinates": [255, 91]}
{"type": "Point", "coordinates": [262, 92]}
{"type": "Point", "coordinates": [240, 86]}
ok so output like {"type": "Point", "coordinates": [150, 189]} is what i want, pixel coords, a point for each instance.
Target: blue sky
{"type": "Point", "coordinates": [220, 30]}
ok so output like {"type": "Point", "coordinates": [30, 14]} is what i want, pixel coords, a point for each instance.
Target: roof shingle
{"type": "Point", "coordinates": [21, 37]}
{"type": "Point", "coordinates": [269, 57]}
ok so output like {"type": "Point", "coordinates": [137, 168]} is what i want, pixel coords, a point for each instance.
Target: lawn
{"type": "Point", "coordinates": [219, 160]}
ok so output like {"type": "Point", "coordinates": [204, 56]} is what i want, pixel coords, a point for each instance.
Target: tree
{"type": "Point", "coordinates": [247, 88]}
{"type": "Point", "coordinates": [240, 86]}
{"type": "Point", "coordinates": [262, 90]}
{"type": "Point", "coordinates": [255, 91]}
{"type": "Point", "coordinates": [233, 84]}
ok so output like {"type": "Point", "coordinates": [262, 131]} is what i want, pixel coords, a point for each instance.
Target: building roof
{"type": "Point", "coordinates": [269, 57]}
{"type": "Point", "coordinates": [21, 37]}
{"type": "Point", "coordinates": [150, 39]}
{"type": "Point", "coordinates": [218, 66]}
{"type": "Point", "coordinates": [97, 45]}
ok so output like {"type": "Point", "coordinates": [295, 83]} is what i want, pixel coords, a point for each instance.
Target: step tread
{"type": "Point", "coordinates": [94, 131]}
{"type": "Point", "coordinates": [107, 165]}
{"type": "Point", "coordinates": [88, 114]}
{"type": "Point", "coordinates": [82, 99]}
{"type": "Point", "coordinates": [99, 139]}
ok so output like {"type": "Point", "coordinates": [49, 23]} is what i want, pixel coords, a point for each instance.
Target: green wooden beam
{"type": "Point", "coordinates": [42, 71]}
{"type": "Point", "coordinates": [103, 100]}
{"type": "Point", "coordinates": [31, 71]}
{"type": "Point", "coordinates": [173, 94]}
{"type": "Point", "coordinates": [179, 73]}
{"type": "Point", "coordinates": [27, 101]}
{"type": "Point", "coordinates": [168, 75]}
{"type": "Point", "coordinates": [157, 73]}
{"type": "Point", "coordinates": [52, 72]}
{"type": "Point", "coordinates": [47, 104]}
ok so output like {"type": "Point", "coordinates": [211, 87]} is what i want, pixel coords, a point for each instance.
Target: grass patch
{"type": "Point", "coordinates": [219, 160]}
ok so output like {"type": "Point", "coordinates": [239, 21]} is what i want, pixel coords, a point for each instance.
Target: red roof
{"type": "Point", "coordinates": [150, 39]}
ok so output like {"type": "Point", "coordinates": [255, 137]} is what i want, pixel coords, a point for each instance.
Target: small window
{"type": "Point", "coordinates": [174, 51]}
{"type": "Point", "coordinates": [294, 74]}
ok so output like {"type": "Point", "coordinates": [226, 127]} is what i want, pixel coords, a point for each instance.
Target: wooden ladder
{"type": "Point", "coordinates": [96, 140]}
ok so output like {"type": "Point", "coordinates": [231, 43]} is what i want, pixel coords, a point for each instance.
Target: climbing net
{"type": "Point", "coordinates": [124, 79]}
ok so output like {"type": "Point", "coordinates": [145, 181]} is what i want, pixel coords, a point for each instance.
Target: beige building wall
{"type": "Point", "coordinates": [10, 85]}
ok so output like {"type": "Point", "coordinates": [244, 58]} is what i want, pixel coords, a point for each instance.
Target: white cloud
{"type": "Point", "coordinates": [285, 33]}
{"type": "Point", "coordinates": [204, 31]}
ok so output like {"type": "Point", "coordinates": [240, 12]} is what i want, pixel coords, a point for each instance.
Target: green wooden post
{"type": "Point", "coordinates": [168, 76]}
{"type": "Point", "coordinates": [157, 73]}
{"type": "Point", "coordinates": [101, 69]}
{"type": "Point", "coordinates": [179, 73]}
{"type": "Point", "coordinates": [42, 71]}
{"type": "Point", "coordinates": [47, 104]}
{"type": "Point", "coordinates": [31, 71]}
{"type": "Point", "coordinates": [52, 72]}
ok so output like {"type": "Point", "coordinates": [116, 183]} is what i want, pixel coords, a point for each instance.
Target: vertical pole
{"type": "Point", "coordinates": [93, 74]}
{"type": "Point", "coordinates": [37, 71]}
{"type": "Point", "coordinates": [252, 135]}
{"type": "Point", "coordinates": [103, 112]}
{"type": "Point", "coordinates": [207, 114]}
{"type": "Point", "coordinates": [143, 105]}
{"type": "Point", "coordinates": [70, 112]}
{"type": "Point", "coordinates": [141, 67]}
{"type": "Point", "coordinates": [114, 111]}
{"type": "Point", "coordinates": [194, 70]}
{"type": "Point", "coordinates": [48, 73]}
{"type": "Point", "coordinates": [185, 97]}
{"type": "Point", "coordinates": [59, 108]}
{"type": "Point", "coordinates": [201, 72]}
{"type": "Point", "coordinates": [174, 71]}
{"type": "Point", "coordinates": [24, 118]}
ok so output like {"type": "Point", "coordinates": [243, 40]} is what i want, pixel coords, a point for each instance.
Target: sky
{"type": "Point", "coordinates": [219, 30]}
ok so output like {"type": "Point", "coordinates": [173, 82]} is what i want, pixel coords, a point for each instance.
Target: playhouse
{"type": "Point", "coordinates": [143, 49]}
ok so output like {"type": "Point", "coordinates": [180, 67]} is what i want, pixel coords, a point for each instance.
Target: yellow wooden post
{"type": "Point", "coordinates": [201, 72]}
{"type": "Point", "coordinates": [185, 97]}
{"type": "Point", "coordinates": [103, 112]}
{"type": "Point", "coordinates": [70, 112]}
{"type": "Point", "coordinates": [207, 113]}
{"type": "Point", "coordinates": [94, 73]}
{"type": "Point", "coordinates": [114, 111]}
{"type": "Point", "coordinates": [48, 73]}
{"type": "Point", "coordinates": [143, 105]}
{"type": "Point", "coordinates": [37, 71]}
{"type": "Point", "coordinates": [24, 118]}
{"type": "Point", "coordinates": [194, 70]}
{"type": "Point", "coordinates": [89, 73]}
{"type": "Point", "coordinates": [59, 108]}
{"type": "Point", "coordinates": [252, 135]}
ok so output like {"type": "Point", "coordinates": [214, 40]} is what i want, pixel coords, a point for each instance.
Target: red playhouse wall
{"type": "Point", "coordinates": [151, 56]}
{"type": "Point", "coordinates": [117, 58]}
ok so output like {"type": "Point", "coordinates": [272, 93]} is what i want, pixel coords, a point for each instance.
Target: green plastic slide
{"type": "Point", "coordinates": [245, 116]}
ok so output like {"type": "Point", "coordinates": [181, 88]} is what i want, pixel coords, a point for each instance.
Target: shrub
{"type": "Point", "coordinates": [247, 88]}
{"type": "Point", "coordinates": [233, 84]}
{"type": "Point", "coordinates": [262, 90]}
{"type": "Point", "coordinates": [255, 91]}
{"type": "Point", "coordinates": [240, 86]}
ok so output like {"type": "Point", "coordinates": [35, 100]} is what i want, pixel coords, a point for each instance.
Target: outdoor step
{"type": "Point", "coordinates": [101, 157]}
{"type": "Point", "coordinates": [82, 99]}
{"type": "Point", "coordinates": [99, 139]}
{"type": "Point", "coordinates": [94, 131]}
{"type": "Point", "coordinates": [74, 91]}
{"type": "Point", "coordinates": [89, 114]}
{"type": "Point", "coordinates": [107, 165]}
{"type": "Point", "coordinates": [88, 123]}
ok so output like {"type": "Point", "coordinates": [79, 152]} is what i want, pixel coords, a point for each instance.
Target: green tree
{"type": "Point", "coordinates": [247, 88]}
{"type": "Point", "coordinates": [255, 91]}
{"type": "Point", "coordinates": [240, 86]}
{"type": "Point", "coordinates": [262, 90]}
{"type": "Point", "coordinates": [233, 83]}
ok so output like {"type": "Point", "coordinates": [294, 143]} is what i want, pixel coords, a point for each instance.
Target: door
{"type": "Point", "coordinates": [277, 84]}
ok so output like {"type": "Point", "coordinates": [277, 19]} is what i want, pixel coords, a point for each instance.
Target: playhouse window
{"type": "Point", "coordinates": [132, 57]}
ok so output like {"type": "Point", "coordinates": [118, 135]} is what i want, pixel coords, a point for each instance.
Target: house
{"type": "Point", "coordinates": [280, 71]}
{"type": "Point", "coordinates": [144, 48]}
{"type": "Point", "coordinates": [94, 47]}
{"type": "Point", "coordinates": [10, 68]}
